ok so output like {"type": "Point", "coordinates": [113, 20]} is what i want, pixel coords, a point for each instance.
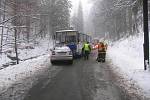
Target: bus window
{"type": "Point", "coordinates": [71, 39]}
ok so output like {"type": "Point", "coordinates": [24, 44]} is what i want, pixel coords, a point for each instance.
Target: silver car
{"type": "Point", "coordinates": [61, 53]}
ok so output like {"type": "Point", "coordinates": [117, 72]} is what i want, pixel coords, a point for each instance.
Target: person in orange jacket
{"type": "Point", "coordinates": [101, 52]}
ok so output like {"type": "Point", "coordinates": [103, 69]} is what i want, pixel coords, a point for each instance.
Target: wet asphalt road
{"type": "Point", "coordinates": [77, 82]}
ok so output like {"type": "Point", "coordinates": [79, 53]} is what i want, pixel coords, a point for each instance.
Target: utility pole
{"type": "Point", "coordinates": [146, 34]}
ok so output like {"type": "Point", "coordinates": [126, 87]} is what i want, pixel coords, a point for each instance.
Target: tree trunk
{"type": "Point", "coordinates": [16, 49]}
{"type": "Point", "coordinates": [146, 33]}
{"type": "Point", "coordinates": [2, 27]}
{"type": "Point", "coordinates": [15, 31]}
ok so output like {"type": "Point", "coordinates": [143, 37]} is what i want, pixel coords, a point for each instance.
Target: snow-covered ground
{"type": "Point", "coordinates": [42, 48]}
{"type": "Point", "coordinates": [15, 81]}
{"type": "Point", "coordinates": [126, 57]}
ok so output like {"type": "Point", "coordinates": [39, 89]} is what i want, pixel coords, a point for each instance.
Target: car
{"type": "Point", "coordinates": [61, 53]}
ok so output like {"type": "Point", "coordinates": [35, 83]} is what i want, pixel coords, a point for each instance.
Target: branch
{"type": "Point", "coordinates": [8, 19]}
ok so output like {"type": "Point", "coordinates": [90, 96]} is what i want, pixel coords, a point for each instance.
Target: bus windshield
{"type": "Point", "coordinates": [66, 36]}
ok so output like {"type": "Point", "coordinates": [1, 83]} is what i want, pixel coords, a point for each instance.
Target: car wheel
{"type": "Point", "coordinates": [52, 62]}
{"type": "Point", "coordinates": [70, 62]}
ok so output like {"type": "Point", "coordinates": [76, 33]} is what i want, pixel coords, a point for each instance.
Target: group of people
{"type": "Point", "coordinates": [101, 51]}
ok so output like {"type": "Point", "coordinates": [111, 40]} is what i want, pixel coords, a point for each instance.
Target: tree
{"type": "Point", "coordinates": [61, 15]}
{"type": "Point", "coordinates": [118, 18]}
{"type": "Point", "coordinates": [27, 20]}
{"type": "Point", "coordinates": [77, 19]}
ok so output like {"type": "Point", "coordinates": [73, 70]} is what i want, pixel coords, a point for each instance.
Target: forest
{"type": "Point", "coordinates": [27, 21]}
{"type": "Point", "coordinates": [24, 21]}
{"type": "Point", "coordinates": [117, 19]}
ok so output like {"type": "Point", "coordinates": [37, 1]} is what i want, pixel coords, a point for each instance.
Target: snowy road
{"type": "Point", "coordinates": [77, 82]}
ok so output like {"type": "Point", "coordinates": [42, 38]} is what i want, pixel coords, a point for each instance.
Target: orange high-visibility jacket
{"type": "Point", "coordinates": [101, 47]}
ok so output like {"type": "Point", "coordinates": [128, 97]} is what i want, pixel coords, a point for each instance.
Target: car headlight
{"type": "Point", "coordinates": [53, 52]}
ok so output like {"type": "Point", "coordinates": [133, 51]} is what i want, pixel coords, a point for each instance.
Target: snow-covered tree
{"type": "Point", "coordinates": [77, 19]}
{"type": "Point", "coordinates": [117, 18]}
{"type": "Point", "coordinates": [60, 15]}
{"type": "Point", "coordinates": [24, 21]}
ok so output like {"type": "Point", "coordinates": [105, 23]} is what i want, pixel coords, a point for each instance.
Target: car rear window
{"type": "Point", "coordinates": [61, 48]}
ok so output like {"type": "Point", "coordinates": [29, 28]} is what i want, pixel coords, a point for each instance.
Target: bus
{"type": "Point", "coordinates": [73, 39]}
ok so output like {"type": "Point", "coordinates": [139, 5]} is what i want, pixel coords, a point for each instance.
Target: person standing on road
{"type": "Point", "coordinates": [101, 52]}
{"type": "Point", "coordinates": [86, 50]}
